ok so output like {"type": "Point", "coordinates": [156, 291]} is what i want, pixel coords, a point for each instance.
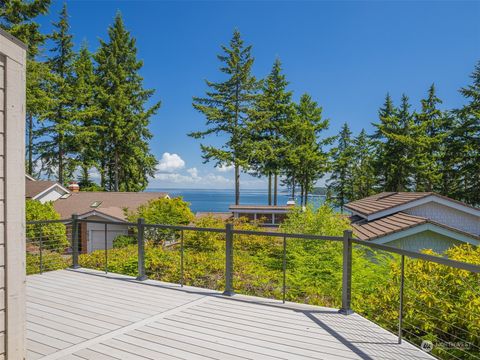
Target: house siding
{"type": "Point", "coordinates": [12, 206]}
{"type": "Point", "coordinates": [425, 240]}
{"type": "Point", "coordinates": [447, 216]}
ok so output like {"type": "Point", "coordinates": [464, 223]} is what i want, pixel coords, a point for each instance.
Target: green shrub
{"type": "Point", "coordinates": [124, 240]}
{"type": "Point", "coordinates": [53, 236]}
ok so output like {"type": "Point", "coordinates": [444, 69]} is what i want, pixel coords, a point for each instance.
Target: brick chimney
{"type": "Point", "coordinates": [73, 186]}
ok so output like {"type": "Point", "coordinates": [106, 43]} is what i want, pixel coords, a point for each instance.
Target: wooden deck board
{"type": "Point", "coordinates": [86, 314]}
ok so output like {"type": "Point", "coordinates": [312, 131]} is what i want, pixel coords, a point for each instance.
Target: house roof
{"type": "Point", "coordinates": [383, 201]}
{"type": "Point", "coordinates": [395, 223]}
{"type": "Point", "coordinates": [260, 207]}
{"type": "Point", "coordinates": [111, 204]}
{"type": "Point", "coordinates": [216, 215]}
{"type": "Point", "coordinates": [34, 188]}
{"type": "Point", "coordinates": [387, 203]}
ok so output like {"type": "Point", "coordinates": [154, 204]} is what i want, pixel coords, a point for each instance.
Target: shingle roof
{"type": "Point", "coordinates": [33, 188]}
{"type": "Point", "coordinates": [111, 203]}
{"type": "Point", "coordinates": [394, 223]}
{"type": "Point", "coordinates": [383, 201]}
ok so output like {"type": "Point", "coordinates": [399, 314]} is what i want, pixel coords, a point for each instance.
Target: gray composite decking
{"type": "Point", "coordinates": [85, 314]}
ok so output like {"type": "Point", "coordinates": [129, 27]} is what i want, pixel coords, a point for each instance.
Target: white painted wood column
{"type": "Point", "coordinates": [12, 197]}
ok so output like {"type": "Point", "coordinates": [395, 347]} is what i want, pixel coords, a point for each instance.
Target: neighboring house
{"type": "Point", "coordinates": [111, 206]}
{"type": "Point", "coordinates": [43, 190]}
{"type": "Point", "coordinates": [415, 220]}
{"type": "Point", "coordinates": [268, 215]}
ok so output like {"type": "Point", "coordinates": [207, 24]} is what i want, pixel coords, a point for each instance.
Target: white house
{"type": "Point", "coordinates": [415, 220]}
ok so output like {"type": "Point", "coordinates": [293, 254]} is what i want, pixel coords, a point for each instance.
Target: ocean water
{"type": "Point", "coordinates": [219, 200]}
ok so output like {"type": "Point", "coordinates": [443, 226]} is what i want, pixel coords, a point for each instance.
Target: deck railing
{"type": "Point", "coordinates": [61, 247]}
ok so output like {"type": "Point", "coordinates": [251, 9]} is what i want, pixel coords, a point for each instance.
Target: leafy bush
{"type": "Point", "coordinates": [123, 240]}
{"type": "Point", "coordinates": [53, 236]}
{"type": "Point", "coordinates": [163, 211]}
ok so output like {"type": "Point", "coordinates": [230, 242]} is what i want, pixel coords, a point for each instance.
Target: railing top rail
{"type": "Point", "coordinates": [422, 256]}
{"type": "Point", "coordinates": [417, 255]}
{"type": "Point", "coordinates": [288, 235]}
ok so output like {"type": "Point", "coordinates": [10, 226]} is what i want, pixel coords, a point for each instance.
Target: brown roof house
{"type": "Point", "coordinates": [111, 206]}
{"type": "Point", "coordinates": [43, 190]}
{"type": "Point", "coordinates": [415, 220]}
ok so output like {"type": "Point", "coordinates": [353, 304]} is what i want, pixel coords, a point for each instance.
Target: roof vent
{"type": "Point", "coordinates": [96, 204]}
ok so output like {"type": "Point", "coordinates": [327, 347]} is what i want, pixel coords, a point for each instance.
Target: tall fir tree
{"type": "Point", "coordinates": [363, 175]}
{"type": "Point", "coordinates": [126, 162]}
{"type": "Point", "coordinates": [226, 107]}
{"type": "Point", "coordinates": [85, 114]}
{"type": "Point", "coordinates": [394, 149]}
{"type": "Point", "coordinates": [272, 111]}
{"type": "Point", "coordinates": [467, 135]}
{"type": "Point", "coordinates": [427, 137]}
{"type": "Point", "coordinates": [56, 146]}
{"type": "Point", "coordinates": [340, 182]}
{"type": "Point", "coordinates": [305, 159]}
{"type": "Point", "coordinates": [18, 18]}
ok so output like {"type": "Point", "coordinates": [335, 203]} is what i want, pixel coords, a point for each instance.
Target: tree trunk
{"type": "Point", "coordinates": [30, 144]}
{"type": "Point", "coordinates": [275, 187]}
{"type": "Point", "coordinates": [269, 189]}
{"type": "Point", "coordinates": [301, 194]}
{"type": "Point", "coordinates": [293, 189]}
{"type": "Point", "coordinates": [237, 184]}
{"type": "Point", "coordinates": [115, 173]}
{"type": "Point", "coordinates": [60, 161]}
{"type": "Point", "coordinates": [306, 194]}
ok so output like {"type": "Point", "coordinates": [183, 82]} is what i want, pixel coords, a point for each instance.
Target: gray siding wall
{"type": "Point", "coordinates": [425, 240]}
{"type": "Point", "coordinates": [12, 198]}
{"type": "Point", "coordinates": [447, 216]}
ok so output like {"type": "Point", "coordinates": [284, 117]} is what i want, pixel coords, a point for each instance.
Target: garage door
{"type": "Point", "coordinates": [97, 239]}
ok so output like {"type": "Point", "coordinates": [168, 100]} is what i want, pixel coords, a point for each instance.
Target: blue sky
{"type": "Point", "coordinates": [347, 55]}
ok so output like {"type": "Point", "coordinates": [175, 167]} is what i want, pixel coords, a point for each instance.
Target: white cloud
{"type": "Point", "coordinates": [170, 163]}
{"type": "Point", "coordinates": [225, 168]}
{"type": "Point", "coordinates": [193, 172]}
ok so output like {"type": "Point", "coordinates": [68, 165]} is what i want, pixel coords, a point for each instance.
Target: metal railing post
{"type": "Point", "coordinates": [141, 249]}
{"type": "Point", "coordinates": [400, 309]}
{"type": "Point", "coordinates": [181, 259]}
{"type": "Point", "coordinates": [347, 274]}
{"type": "Point", "coordinates": [284, 268]}
{"type": "Point", "coordinates": [228, 260]}
{"type": "Point", "coordinates": [40, 249]}
{"type": "Point", "coordinates": [106, 249]}
{"type": "Point", "coordinates": [75, 241]}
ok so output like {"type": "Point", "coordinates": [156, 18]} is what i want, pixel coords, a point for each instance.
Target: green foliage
{"type": "Point", "coordinates": [226, 107]}
{"type": "Point", "coordinates": [163, 211]}
{"type": "Point", "coordinates": [123, 240]}
{"type": "Point", "coordinates": [125, 161]}
{"type": "Point", "coordinates": [53, 235]}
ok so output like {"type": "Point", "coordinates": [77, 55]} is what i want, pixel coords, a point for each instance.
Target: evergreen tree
{"type": "Point", "coordinates": [305, 160]}
{"type": "Point", "coordinates": [342, 159]}
{"type": "Point", "coordinates": [85, 116]}
{"type": "Point", "coordinates": [272, 111]}
{"type": "Point", "coordinates": [226, 107]}
{"type": "Point", "coordinates": [427, 137]}
{"type": "Point", "coordinates": [467, 135]}
{"type": "Point", "coordinates": [57, 132]}
{"type": "Point", "coordinates": [125, 160]}
{"type": "Point", "coordinates": [17, 17]}
{"type": "Point", "coordinates": [394, 147]}
{"type": "Point", "coordinates": [363, 174]}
